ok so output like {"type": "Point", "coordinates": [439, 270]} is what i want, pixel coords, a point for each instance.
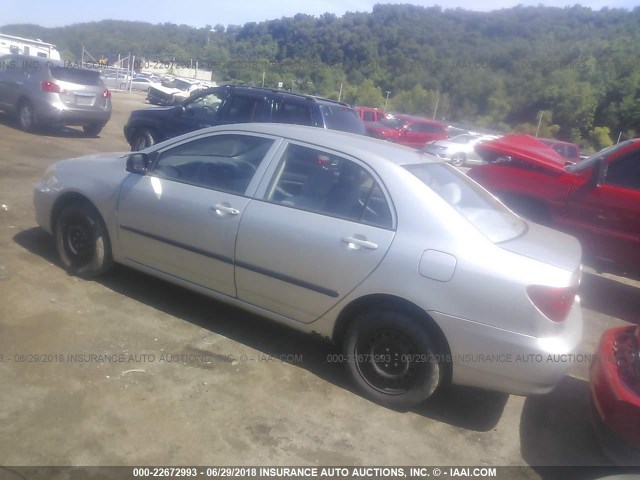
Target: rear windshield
{"type": "Point", "coordinates": [473, 202]}
{"type": "Point", "coordinates": [340, 117]}
{"type": "Point", "coordinates": [76, 75]}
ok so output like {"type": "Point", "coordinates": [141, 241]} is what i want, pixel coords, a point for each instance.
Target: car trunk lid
{"type": "Point", "coordinates": [547, 245]}
{"type": "Point", "coordinates": [81, 88]}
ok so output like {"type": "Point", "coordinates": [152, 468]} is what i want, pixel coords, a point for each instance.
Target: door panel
{"type": "Point", "coordinates": [300, 264]}
{"type": "Point", "coordinates": [322, 226]}
{"type": "Point", "coordinates": [176, 228]}
{"type": "Point", "coordinates": [182, 218]}
{"type": "Point", "coordinates": [608, 216]}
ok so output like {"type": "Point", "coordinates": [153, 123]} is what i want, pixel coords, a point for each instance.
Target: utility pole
{"type": "Point", "coordinates": [539, 122]}
{"type": "Point", "coordinates": [386, 100]}
{"type": "Point", "coordinates": [435, 110]}
{"type": "Point", "coordinates": [340, 94]}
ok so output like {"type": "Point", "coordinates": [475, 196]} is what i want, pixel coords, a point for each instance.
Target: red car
{"type": "Point", "coordinates": [597, 199]}
{"type": "Point", "coordinates": [408, 130]}
{"type": "Point", "coordinates": [570, 151]}
{"type": "Point", "coordinates": [370, 114]}
{"type": "Point", "coordinates": [615, 394]}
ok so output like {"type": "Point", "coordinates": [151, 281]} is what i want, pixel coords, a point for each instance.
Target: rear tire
{"type": "Point", "coordinates": [27, 116]}
{"type": "Point", "coordinates": [393, 358]}
{"type": "Point", "coordinates": [82, 240]}
{"type": "Point", "coordinates": [142, 138]}
{"type": "Point", "coordinates": [92, 130]}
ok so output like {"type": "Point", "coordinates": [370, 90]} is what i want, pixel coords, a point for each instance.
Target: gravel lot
{"type": "Point", "coordinates": [193, 381]}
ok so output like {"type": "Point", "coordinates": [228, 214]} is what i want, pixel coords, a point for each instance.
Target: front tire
{"type": "Point", "coordinates": [458, 159]}
{"type": "Point", "coordinates": [82, 240]}
{"type": "Point", "coordinates": [143, 138]}
{"type": "Point", "coordinates": [392, 359]}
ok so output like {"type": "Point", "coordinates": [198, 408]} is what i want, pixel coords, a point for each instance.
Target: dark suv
{"type": "Point", "coordinates": [237, 104]}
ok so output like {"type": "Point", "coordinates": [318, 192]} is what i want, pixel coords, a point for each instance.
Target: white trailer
{"type": "Point", "coordinates": [27, 46]}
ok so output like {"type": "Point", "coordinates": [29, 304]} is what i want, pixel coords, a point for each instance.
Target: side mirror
{"type": "Point", "coordinates": [181, 109]}
{"type": "Point", "coordinates": [138, 163]}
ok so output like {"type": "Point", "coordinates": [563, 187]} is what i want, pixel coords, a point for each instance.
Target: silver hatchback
{"type": "Point", "coordinates": [47, 93]}
{"type": "Point", "coordinates": [419, 273]}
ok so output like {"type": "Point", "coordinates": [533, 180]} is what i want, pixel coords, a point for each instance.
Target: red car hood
{"type": "Point", "coordinates": [522, 147]}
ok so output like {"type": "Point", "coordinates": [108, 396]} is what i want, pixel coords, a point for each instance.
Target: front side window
{"type": "Point", "coordinates": [321, 182]}
{"type": "Point", "coordinates": [220, 162]}
{"type": "Point", "coordinates": [474, 203]}
{"type": "Point", "coordinates": [625, 171]}
{"type": "Point", "coordinates": [204, 105]}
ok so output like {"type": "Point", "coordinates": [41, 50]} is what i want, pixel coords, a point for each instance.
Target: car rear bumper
{"type": "Point", "coordinates": [496, 359]}
{"type": "Point", "coordinates": [48, 114]}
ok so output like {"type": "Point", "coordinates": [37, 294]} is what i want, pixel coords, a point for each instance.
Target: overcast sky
{"type": "Point", "coordinates": [198, 13]}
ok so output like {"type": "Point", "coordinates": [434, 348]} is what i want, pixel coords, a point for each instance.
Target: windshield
{"type": "Point", "coordinates": [76, 75]}
{"type": "Point", "coordinates": [473, 202]}
{"type": "Point", "coordinates": [593, 159]}
{"type": "Point", "coordinates": [181, 84]}
{"type": "Point", "coordinates": [392, 122]}
{"type": "Point", "coordinates": [463, 138]}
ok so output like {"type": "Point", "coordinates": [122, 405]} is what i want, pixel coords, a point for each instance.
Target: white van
{"type": "Point", "coordinates": [27, 46]}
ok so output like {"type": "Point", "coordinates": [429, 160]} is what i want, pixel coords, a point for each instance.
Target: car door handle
{"type": "Point", "coordinates": [356, 242]}
{"type": "Point", "coordinates": [222, 208]}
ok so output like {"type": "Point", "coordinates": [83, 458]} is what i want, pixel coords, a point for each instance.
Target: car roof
{"type": "Point", "coordinates": [275, 91]}
{"type": "Point", "coordinates": [414, 119]}
{"type": "Point", "coordinates": [358, 146]}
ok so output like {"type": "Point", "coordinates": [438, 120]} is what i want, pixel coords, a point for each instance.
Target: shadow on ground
{"type": "Point", "coordinates": [467, 408]}
{"type": "Point", "coordinates": [555, 431]}
{"type": "Point", "coordinates": [610, 297]}
{"type": "Point", "coordinates": [52, 131]}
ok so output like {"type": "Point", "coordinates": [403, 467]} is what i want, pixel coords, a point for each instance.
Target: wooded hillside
{"type": "Point", "coordinates": [498, 69]}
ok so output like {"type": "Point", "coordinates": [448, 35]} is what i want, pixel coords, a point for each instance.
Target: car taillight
{"type": "Point", "coordinates": [554, 302]}
{"type": "Point", "coordinates": [51, 87]}
{"type": "Point", "coordinates": [106, 93]}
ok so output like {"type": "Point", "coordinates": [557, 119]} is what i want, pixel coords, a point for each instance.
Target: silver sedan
{"type": "Point", "coordinates": [421, 275]}
{"type": "Point", "coordinates": [458, 150]}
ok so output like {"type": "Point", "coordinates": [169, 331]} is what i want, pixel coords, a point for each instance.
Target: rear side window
{"type": "Point", "coordinates": [293, 113]}
{"type": "Point", "coordinates": [245, 109]}
{"type": "Point", "coordinates": [341, 117]}
{"type": "Point", "coordinates": [76, 75]}
{"type": "Point", "coordinates": [474, 203]}
{"type": "Point", "coordinates": [321, 182]}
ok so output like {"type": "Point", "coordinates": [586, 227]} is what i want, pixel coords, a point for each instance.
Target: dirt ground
{"type": "Point", "coordinates": [179, 379]}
